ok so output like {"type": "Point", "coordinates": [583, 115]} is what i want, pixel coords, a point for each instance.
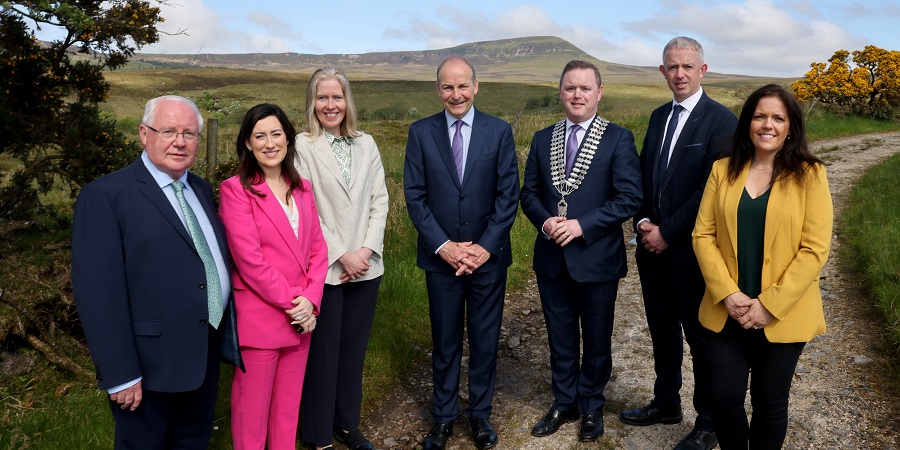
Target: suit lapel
{"type": "Point", "coordinates": [441, 137]}
{"type": "Point", "coordinates": [774, 211]}
{"type": "Point", "coordinates": [271, 207]}
{"type": "Point", "coordinates": [322, 150]}
{"type": "Point", "coordinates": [732, 198]}
{"type": "Point", "coordinates": [156, 196]}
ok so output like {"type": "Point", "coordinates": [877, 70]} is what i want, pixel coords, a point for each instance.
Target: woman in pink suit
{"type": "Point", "coordinates": [280, 261]}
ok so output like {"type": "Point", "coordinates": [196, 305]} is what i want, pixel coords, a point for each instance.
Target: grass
{"type": "Point", "coordinates": [35, 262]}
{"type": "Point", "coordinates": [871, 225]}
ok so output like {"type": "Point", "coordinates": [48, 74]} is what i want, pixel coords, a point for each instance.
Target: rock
{"type": "Point", "coordinates": [860, 359]}
{"type": "Point", "coordinates": [513, 341]}
{"type": "Point", "coordinates": [389, 442]}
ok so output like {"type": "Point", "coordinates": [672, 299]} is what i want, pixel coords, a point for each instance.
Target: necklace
{"type": "Point", "coordinates": [563, 185]}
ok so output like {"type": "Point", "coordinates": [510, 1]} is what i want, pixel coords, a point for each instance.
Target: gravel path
{"type": "Point", "coordinates": [840, 398]}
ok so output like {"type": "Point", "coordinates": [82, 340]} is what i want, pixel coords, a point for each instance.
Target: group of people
{"type": "Point", "coordinates": [733, 214]}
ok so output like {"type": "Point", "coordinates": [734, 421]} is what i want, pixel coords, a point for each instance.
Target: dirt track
{"type": "Point", "coordinates": [838, 398]}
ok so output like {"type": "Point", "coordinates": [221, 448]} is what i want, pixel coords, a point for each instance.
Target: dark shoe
{"type": "Point", "coordinates": [354, 440]}
{"type": "Point", "coordinates": [483, 433]}
{"type": "Point", "coordinates": [650, 414]}
{"type": "Point", "coordinates": [552, 421]}
{"type": "Point", "coordinates": [698, 440]}
{"type": "Point", "coordinates": [591, 427]}
{"type": "Point", "coordinates": [436, 439]}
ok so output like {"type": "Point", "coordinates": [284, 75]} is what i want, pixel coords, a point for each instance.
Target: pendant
{"type": "Point", "coordinates": [562, 207]}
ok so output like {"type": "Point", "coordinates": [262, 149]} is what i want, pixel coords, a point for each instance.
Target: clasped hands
{"type": "Point", "coordinates": [562, 230]}
{"type": "Point", "coordinates": [302, 314]}
{"type": "Point", "coordinates": [355, 264]}
{"type": "Point", "coordinates": [749, 312]}
{"type": "Point", "coordinates": [465, 257]}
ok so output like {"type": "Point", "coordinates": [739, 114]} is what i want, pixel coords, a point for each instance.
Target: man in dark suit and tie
{"type": "Point", "coordinates": [683, 139]}
{"type": "Point", "coordinates": [151, 276]}
{"type": "Point", "coordinates": [461, 181]}
{"type": "Point", "coordinates": [582, 181]}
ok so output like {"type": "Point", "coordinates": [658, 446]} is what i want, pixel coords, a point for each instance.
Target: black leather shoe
{"type": "Point", "coordinates": [650, 414]}
{"type": "Point", "coordinates": [354, 440]}
{"type": "Point", "coordinates": [552, 421]}
{"type": "Point", "coordinates": [698, 440]}
{"type": "Point", "coordinates": [591, 427]}
{"type": "Point", "coordinates": [483, 433]}
{"type": "Point", "coordinates": [436, 439]}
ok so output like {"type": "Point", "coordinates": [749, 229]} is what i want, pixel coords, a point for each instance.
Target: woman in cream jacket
{"type": "Point", "coordinates": [345, 168]}
{"type": "Point", "coordinates": [762, 237]}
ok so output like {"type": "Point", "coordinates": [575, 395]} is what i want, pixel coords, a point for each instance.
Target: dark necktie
{"type": "Point", "coordinates": [663, 162]}
{"type": "Point", "coordinates": [572, 148]}
{"type": "Point", "coordinates": [213, 288]}
{"type": "Point", "coordinates": [457, 147]}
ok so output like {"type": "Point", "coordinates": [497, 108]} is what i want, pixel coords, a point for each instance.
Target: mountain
{"type": "Point", "coordinates": [537, 59]}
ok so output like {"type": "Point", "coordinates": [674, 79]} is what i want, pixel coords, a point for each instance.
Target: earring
{"type": "Point", "coordinates": [789, 136]}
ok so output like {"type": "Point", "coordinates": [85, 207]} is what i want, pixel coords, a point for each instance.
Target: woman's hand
{"type": "Point", "coordinates": [355, 264]}
{"type": "Point", "coordinates": [302, 314]}
{"type": "Point", "coordinates": [757, 316]}
{"type": "Point", "coordinates": [737, 304]}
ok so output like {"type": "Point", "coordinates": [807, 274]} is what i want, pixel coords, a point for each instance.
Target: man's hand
{"type": "Point", "coordinates": [130, 397]}
{"type": "Point", "coordinates": [651, 237]}
{"type": "Point", "coordinates": [562, 230]}
{"type": "Point", "coordinates": [355, 264]}
{"type": "Point", "coordinates": [453, 253]}
{"type": "Point", "coordinates": [476, 256]}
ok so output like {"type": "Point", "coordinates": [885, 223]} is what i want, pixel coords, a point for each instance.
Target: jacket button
{"type": "Point", "coordinates": [202, 285]}
{"type": "Point", "coordinates": [202, 321]}
{"type": "Point", "coordinates": [767, 261]}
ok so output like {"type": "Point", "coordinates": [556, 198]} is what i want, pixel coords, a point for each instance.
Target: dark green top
{"type": "Point", "coordinates": [751, 234]}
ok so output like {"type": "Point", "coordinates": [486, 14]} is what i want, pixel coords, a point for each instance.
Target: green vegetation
{"type": "Point", "coordinates": [871, 225]}
{"type": "Point", "coordinates": [35, 414]}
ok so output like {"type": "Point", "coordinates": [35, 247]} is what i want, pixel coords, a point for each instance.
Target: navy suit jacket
{"type": "Point", "coordinates": [703, 140]}
{"type": "Point", "coordinates": [609, 195]}
{"type": "Point", "coordinates": [481, 209]}
{"type": "Point", "coordinates": [140, 286]}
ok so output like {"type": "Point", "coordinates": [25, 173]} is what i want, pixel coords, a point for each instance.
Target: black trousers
{"type": "Point", "coordinates": [673, 286]}
{"type": "Point", "coordinates": [168, 420]}
{"type": "Point", "coordinates": [578, 313]}
{"type": "Point", "coordinates": [737, 355]}
{"type": "Point", "coordinates": [473, 302]}
{"type": "Point", "coordinates": [332, 390]}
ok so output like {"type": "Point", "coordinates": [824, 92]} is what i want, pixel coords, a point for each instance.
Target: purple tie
{"type": "Point", "coordinates": [571, 148]}
{"type": "Point", "coordinates": [457, 147]}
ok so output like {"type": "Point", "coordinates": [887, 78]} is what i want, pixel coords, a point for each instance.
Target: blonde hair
{"type": "Point", "coordinates": [348, 125]}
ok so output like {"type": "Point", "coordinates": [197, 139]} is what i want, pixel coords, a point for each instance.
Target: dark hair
{"type": "Point", "coordinates": [794, 159]}
{"type": "Point", "coordinates": [578, 64]}
{"type": "Point", "coordinates": [248, 167]}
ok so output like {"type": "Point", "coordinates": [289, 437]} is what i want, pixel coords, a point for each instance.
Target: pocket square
{"type": "Point", "coordinates": [698, 144]}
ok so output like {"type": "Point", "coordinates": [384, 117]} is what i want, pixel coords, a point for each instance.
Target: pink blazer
{"type": "Point", "coordinates": [271, 266]}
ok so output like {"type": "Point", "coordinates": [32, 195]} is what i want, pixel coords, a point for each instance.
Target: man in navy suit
{"type": "Point", "coordinates": [582, 181]}
{"type": "Point", "coordinates": [461, 181]}
{"type": "Point", "coordinates": [683, 139]}
{"type": "Point", "coordinates": [156, 308]}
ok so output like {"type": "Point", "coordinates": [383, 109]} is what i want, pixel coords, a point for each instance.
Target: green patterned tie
{"type": "Point", "coordinates": [214, 290]}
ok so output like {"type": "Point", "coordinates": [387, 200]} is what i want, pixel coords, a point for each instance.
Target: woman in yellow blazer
{"type": "Point", "coordinates": [762, 237]}
{"type": "Point", "coordinates": [345, 168]}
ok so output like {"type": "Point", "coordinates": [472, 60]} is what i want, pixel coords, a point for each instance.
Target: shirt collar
{"type": "Point", "coordinates": [691, 102]}
{"type": "Point", "coordinates": [331, 138]}
{"type": "Point", "coordinates": [467, 119]}
{"type": "Point", "coordinates": [584, 125]}
{"type": "Point", "coordinates": [162, 179]}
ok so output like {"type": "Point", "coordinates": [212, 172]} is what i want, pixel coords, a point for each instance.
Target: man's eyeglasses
{"type": "Point", "coordinates": [169, 133]}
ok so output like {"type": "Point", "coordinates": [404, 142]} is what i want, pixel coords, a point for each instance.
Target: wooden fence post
{"type": "Point", "coordinates": [212, 146]}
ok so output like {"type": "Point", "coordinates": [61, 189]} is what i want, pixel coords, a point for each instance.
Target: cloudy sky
{"type": "Point", "coordinates": [751, 37]}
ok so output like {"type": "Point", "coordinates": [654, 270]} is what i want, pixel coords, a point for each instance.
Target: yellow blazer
{"type": "Point", "coordinates": [797, 241]}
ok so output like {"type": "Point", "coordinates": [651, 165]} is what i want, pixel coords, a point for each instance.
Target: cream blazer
{"type": "Point", "coordinates": [351, 217]}
{"type": "Point", "coordinates": [797, 242]}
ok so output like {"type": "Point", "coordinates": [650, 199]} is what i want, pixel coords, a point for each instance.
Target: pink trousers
{"type": "Point", "coordinates": [265, 401]}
